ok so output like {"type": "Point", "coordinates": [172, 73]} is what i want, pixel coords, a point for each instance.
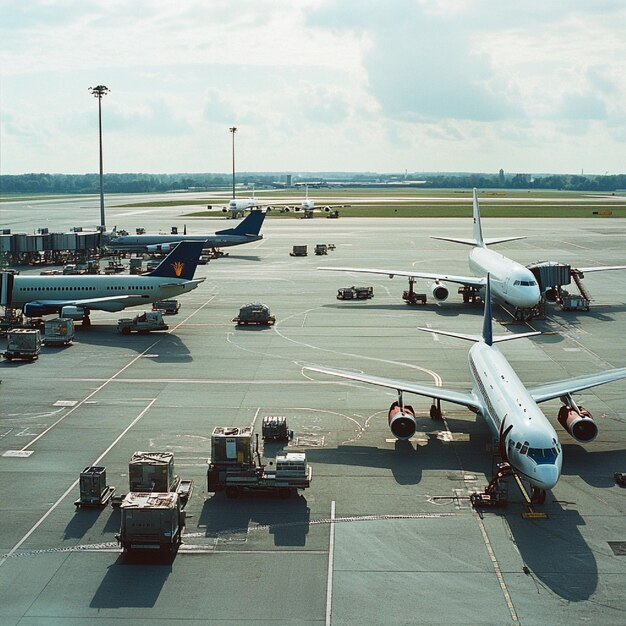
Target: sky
{"type": "Point", "coordinates": [314, 85]}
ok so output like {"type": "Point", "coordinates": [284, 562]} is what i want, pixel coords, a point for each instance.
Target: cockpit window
{"type": "Point", "coordinates": [542, 455]}
{"type": "Point", "coordinates": [524, 449]}
{"type": "Point", "coordinates": [525, 283]}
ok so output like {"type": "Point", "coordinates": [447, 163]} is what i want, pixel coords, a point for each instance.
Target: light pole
{"type": "Point", "coordinates": [98, 92]}
{"type": "Point", "coordinates": [233, 130]}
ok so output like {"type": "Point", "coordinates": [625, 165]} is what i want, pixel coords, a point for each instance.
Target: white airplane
{"type": "Point", "coordinates": [526, 438]}
{"type": "Point", "coordinates": [76, 296]}
{"type": "Point", "coordinates": [238, 206]}
{"type": "Point", "coordinates": [308, 206]}
{"type": "Point", "coordinates": [511, 282]}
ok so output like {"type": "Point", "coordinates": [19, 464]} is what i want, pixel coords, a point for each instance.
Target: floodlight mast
{"type": "Point", "coordinates": [233, 130]}
{"type": "Point", "coordinates": [98, 92]}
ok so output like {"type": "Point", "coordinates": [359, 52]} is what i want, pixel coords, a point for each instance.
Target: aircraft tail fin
{"type": "Point", "coordinates": [250, 225]}
{"type": "Point", "coordinates": [181, 262]}
{"type": "Point", "coordinates": [487, 335]}
{"type": "Point", "coordinates": [478, 230]}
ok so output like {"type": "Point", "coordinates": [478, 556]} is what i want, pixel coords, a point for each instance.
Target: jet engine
{"type": "Point", "coordinates": [225, 209]}
{"type": "Point", "coordinates": [161, 247]}
{"type": "Point", "coordinates": [327, 209]}
{"type": "Point", "coordinates": [550, 294]}
{"type": "Point", "coordinates": [440, 291]}
{"type": "Point", "coordinates": [402, 421]}
{"type": "Point", "coordinates": [32, 309]}
{"type": "Point", "coordinates": [579, 424]}
{"type": "Point", "coordinates": [73, 312]}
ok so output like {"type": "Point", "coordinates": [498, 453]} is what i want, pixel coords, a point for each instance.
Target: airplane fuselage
{"type": "Point", "coordinates": [532, 445]}
{"type": "Point", "coordinates": [142, 243]}
{"type": "Point", "coordinates": [141, 290]}
{"type": "Point", "coordinates": [511, 283]}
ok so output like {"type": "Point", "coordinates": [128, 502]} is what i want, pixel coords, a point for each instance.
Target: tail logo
{"type": "Point", "coordinates": [178, 268]}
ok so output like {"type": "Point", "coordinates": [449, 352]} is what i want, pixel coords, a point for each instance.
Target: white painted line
{"type": "Point", "coordinates": [71, 487]}
{"type": "Point", "coordinates": [331, 558]}
{"type": "Point", "coordinates": [255, 418]}
{"type": "Point", "coordinates": [22, 454]}
{"type": "Point", "coordinates": [65, 403]}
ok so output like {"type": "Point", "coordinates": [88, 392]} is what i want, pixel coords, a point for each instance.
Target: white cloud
{"type": "Point", "coordinates": [314, 84]}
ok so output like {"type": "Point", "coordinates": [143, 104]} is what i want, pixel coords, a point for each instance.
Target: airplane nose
{"type": "Point", "coordinates": [547, 475]}
{"type": "Point", "coordinates": [529, 298]}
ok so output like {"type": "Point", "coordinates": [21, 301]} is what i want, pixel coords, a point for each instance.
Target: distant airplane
{"type": "Point", "coordinates": [526, 438]}
{"type": "Point", "coordinates": [238, 206]}
{"type": "Point", "coordinates": [246, 231]}
{"type": "Point", "coordinates": [76, 296]}
{"type": "Point", "coordinates": [511, 282]}
{"type": "Point", "coordinates": [308, 206]}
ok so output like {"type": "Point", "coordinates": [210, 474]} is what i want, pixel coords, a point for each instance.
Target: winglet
{"type": "Point", "coordinates": [478, 231]}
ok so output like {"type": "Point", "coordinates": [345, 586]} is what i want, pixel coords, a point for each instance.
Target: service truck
{"type": "Point", "coordinates": [151, 521]}
{"type": "Point", "coordinates": [58, 331]}
{"type": "Point", "coordinates": [23, 343]}
{"type": "Point", "coordinates": [147, 322]}
{"type": "Point", "coordinates": [233, 468]}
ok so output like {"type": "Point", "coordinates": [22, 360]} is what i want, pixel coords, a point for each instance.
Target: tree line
{"type": "Point", "coordinates": [155, 183]}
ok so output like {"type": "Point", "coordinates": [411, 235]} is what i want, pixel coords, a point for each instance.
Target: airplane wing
{"type": "Point", "coordinates": [559, 388]}
{"type": "Point", "coordinates": [599, 268]}
{"type": "Point", "coordinates": [475, 281]}
{"type": "Point", "coordinates": [456, 397]}
{"type": "Point", "coordinates": [108, 303]}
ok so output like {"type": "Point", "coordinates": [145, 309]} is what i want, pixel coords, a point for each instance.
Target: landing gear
{"type": "Point", "coordinates": [538, 495]}
{"type": "Point", "coordinates": [435, 410]}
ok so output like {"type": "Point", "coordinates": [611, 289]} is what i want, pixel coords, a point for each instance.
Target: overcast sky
{"type": "Point", "coordinates": [314, 85]}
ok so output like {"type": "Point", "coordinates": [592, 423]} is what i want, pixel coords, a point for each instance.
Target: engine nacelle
{"type": "Point", "coordinates": [328, 209]}
{"type": "Point", "coordinates": [579, 425]}
{"type": "Point", "coordinates": [402, 422]}
{"type": "Point", "coordinates": [73, 312]}
{"type": "Point", "coordinates": [440, 291]}
{"type": "Point", "coordinates": [225, 209]}
{"type": "Point", "coordinates": [32, 309]}
{"type": "Point", "coordinates": [550, 294]}
{"type": "Point", "coordinates": [161, 247]}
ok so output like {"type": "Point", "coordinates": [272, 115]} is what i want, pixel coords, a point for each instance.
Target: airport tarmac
{"type": "Point", "coordinates": [385, 534]}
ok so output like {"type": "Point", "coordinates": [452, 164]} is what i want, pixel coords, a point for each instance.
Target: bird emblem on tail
{"type": "Point", "coordinates": [178, 268]}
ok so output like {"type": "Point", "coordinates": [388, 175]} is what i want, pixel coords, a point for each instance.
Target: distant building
{"type": "Point", "coordinates": [501, 177]}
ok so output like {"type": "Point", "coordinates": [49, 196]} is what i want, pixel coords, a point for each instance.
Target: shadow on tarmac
{"type": "Point", "coordinates": [556, 553]}
{"type": "Point", "coordinates": [137, 586]}
{"type": "Point", "coordinates": [229, 519]}
{"type": "Point", "coordinates": [169, 347]}
{"type": "Point", "coordinates": [83, 520]}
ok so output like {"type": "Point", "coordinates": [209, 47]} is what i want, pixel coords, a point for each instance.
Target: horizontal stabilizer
{"type": "Point", "coordinates": [472, 242]}
{"type": "Point", "coordinates": [477, 338]}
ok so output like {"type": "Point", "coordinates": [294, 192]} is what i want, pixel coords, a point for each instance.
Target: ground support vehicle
{"type": "Point", "coordinates": [10, 319]}
{"type": "Point", "coordinates": [151, 521]}
{"type": "Point", "coordinates": [355, 293]}
{"type": "Point", "coordinates": [299, 251]}
{"type": "Point", "coordinates": [254, 314]}
{"type": "Point", "coordinates": [147, 322]}
{"type": "Point", "coordinates": [573, 302]}
{"type": "Point", "coordinates": [332, 215]}
{"type": "Point", "coordinates": [135, 266]}
{"type": "Point", "coordinates": [58, 331]}
{"type": "Point", "coordinates": [233, 469]}
{"type": "Point", "coordinates": [167, 307]}
{"type": "Point", "coordinates": [114, 267]}
{"type": "Point", "coordinates": [410, 296]}
{"type": "Point", "coordinates": [321, 249]}
{"type": "Point", "coordinates": [152, 471]}
{"type": "Point", "coordinates": [93, 488]}
{"type": "Point", "coordinates": [275, 428]}
{"type": "Point", "coordinates": [23, 343]}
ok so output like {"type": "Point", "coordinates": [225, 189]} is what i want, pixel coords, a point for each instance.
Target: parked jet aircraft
{"type": "Point", "coordinates": [526, 437]}
{"type": "Point", "coordinates": [238, 206]}
{"type": "Point", "coordinates": [308, 206]}
{"type": "Point", "coordinates": [76, 296]}
{"type": "Point", "coordinates": [511, 282]}
{"type": "Point", "coordinates": [246, 231]}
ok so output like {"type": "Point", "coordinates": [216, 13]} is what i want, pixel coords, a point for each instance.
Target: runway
{"type": "Point", "coordinates": [385, 534]}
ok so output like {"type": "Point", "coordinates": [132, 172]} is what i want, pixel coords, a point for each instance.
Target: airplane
{"type": "Point", "coordinates": [238, 206]}
{"type": "Point", "coordinates": [527, 440]}
{"type": "Point", "coordinates": [76, 296]}
{"type": "Point", "coordinates": [511, 283]}
{"type": "Point", "coordinates": [246, 231]}
{"type": "Point", "coordinates": [308, 206]}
